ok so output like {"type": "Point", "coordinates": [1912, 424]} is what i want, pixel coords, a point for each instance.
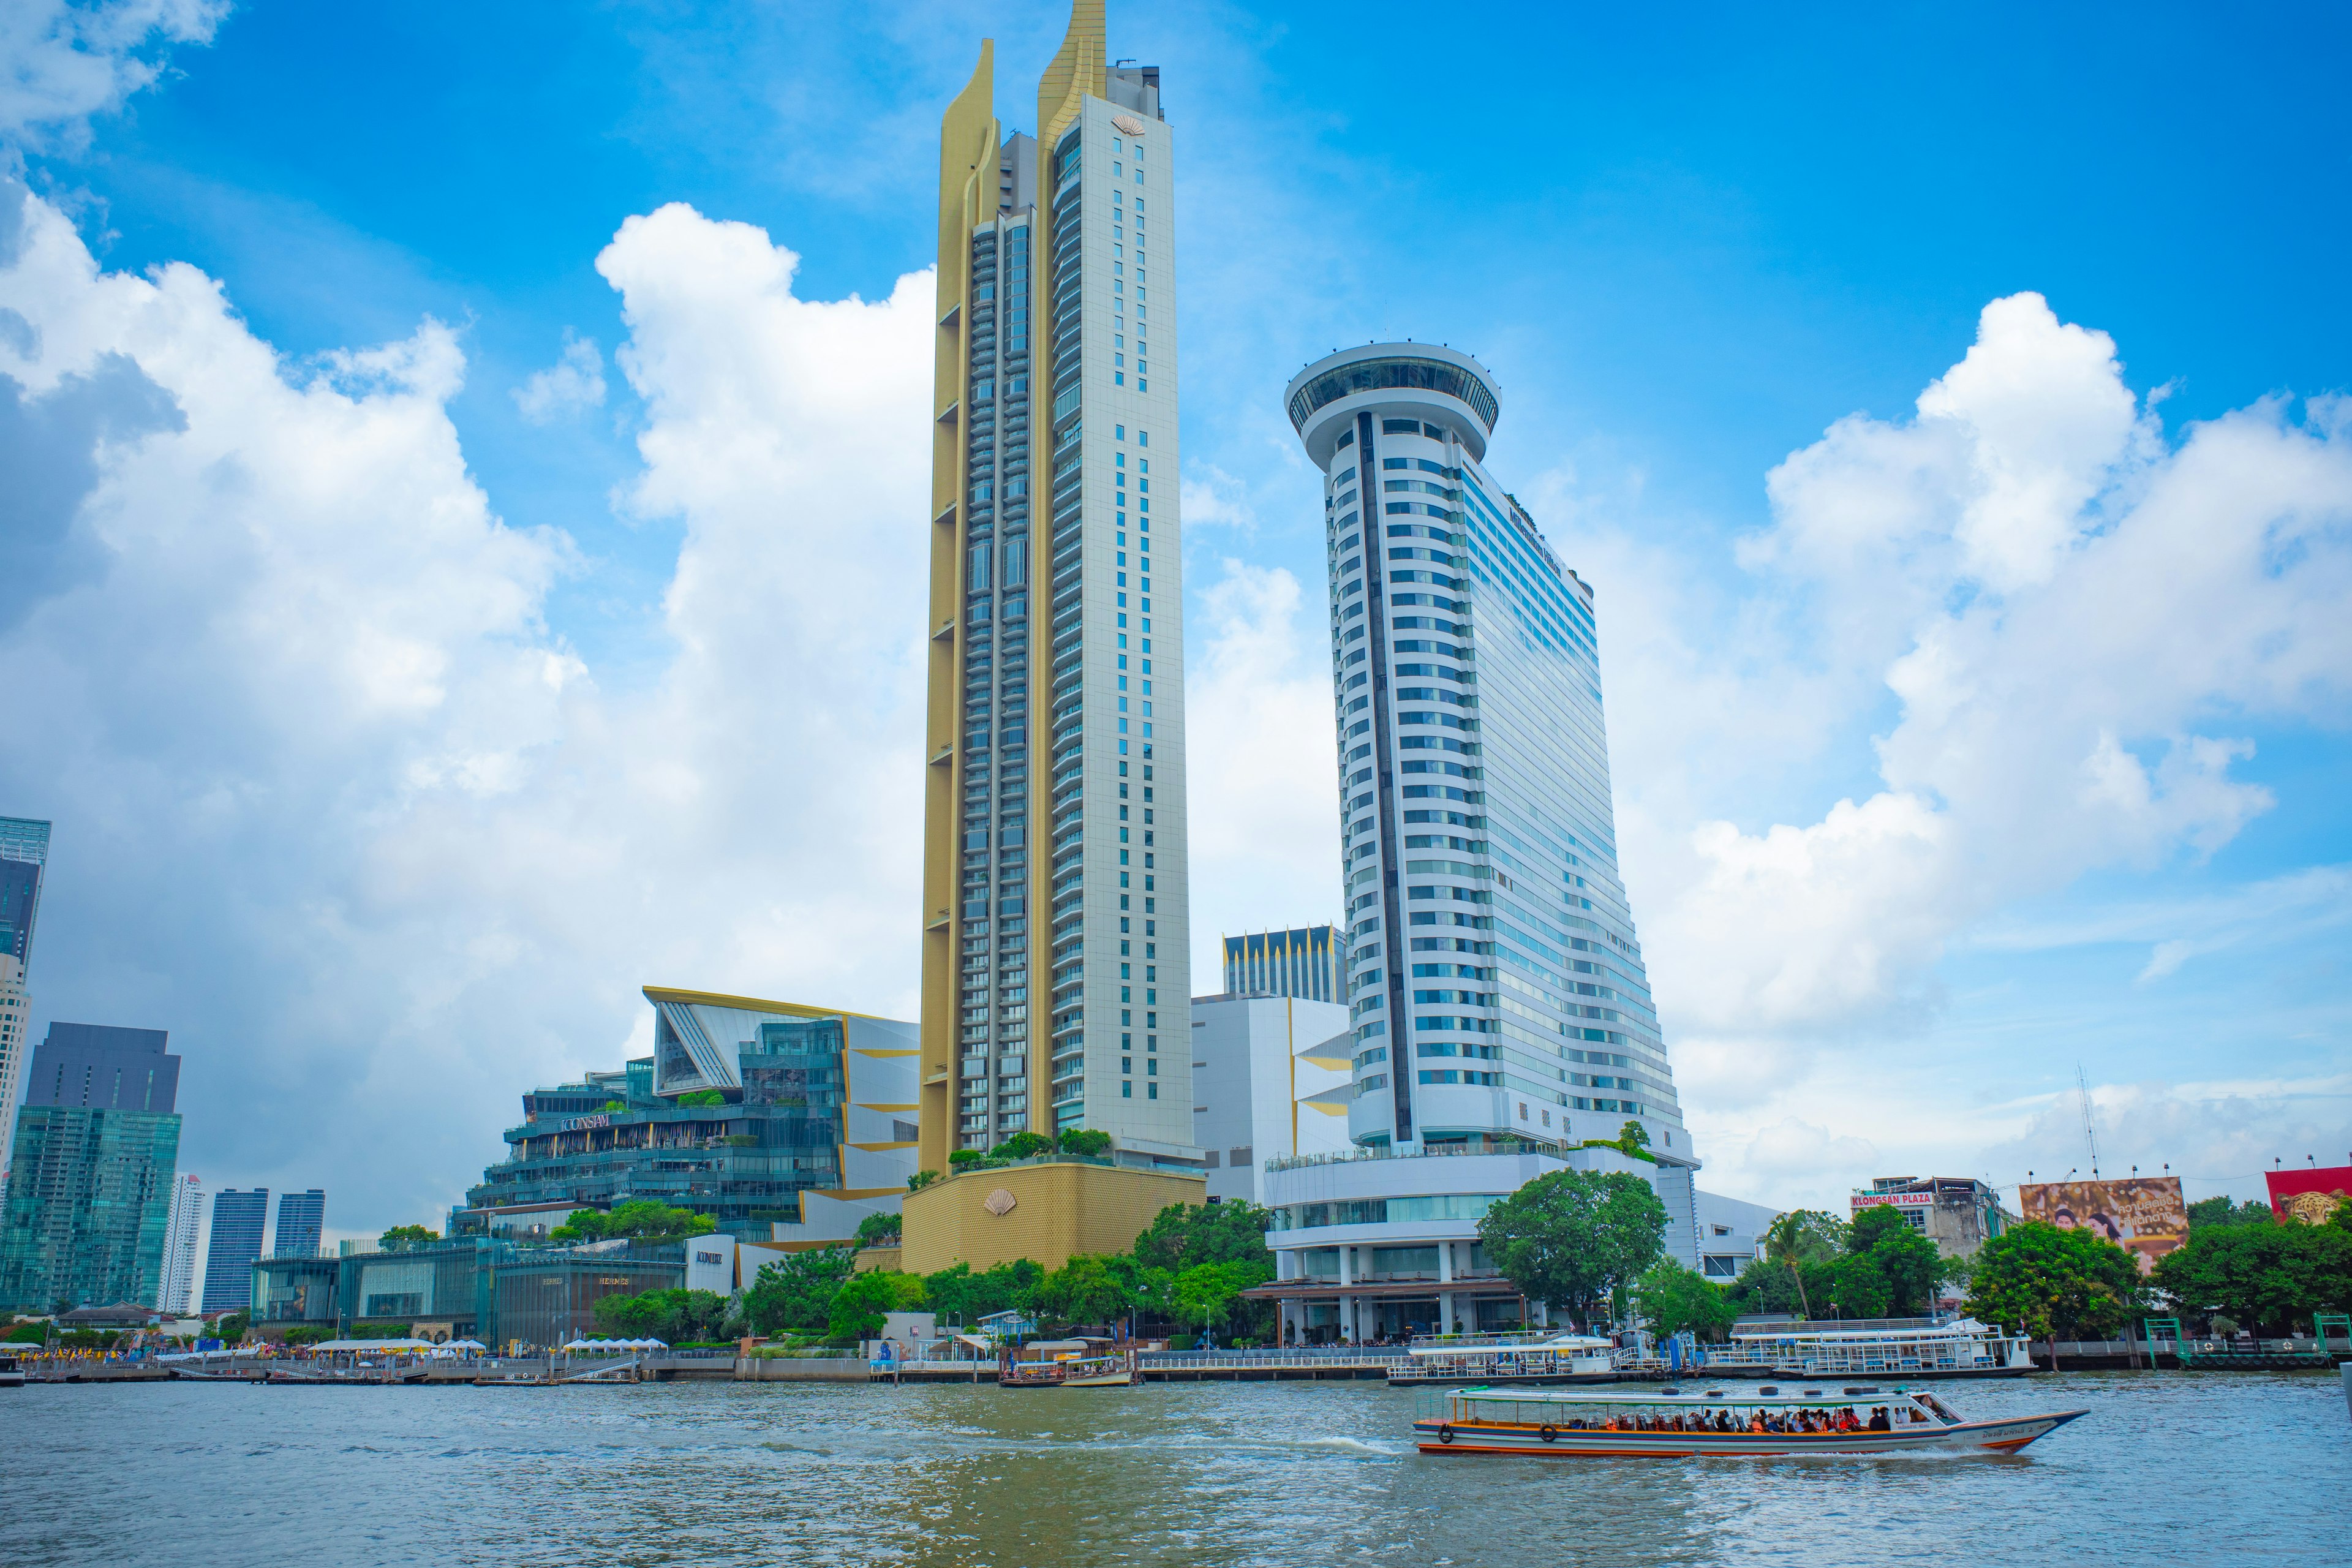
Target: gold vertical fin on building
{"type": "Point", "coordinates": [1078, 70]}
{"type": "Point", "coordinates": [968, 193]}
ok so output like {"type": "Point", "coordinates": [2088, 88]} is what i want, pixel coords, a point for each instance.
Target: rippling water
{"type": "Point", "coordinates": [2220, 1468]}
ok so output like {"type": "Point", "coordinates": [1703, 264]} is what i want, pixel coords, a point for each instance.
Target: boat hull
{"type": "Point", "coordinates": [1970, 1436]}
{"type": "Point", "coordinates": [1100, 1379]}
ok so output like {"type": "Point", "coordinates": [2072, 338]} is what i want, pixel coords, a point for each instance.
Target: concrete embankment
{"type": "Point", "coordinates": [802, 1369]}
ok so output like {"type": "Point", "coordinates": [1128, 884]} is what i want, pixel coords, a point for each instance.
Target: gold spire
{"type": "Point", "coordinates": [1078, 73]}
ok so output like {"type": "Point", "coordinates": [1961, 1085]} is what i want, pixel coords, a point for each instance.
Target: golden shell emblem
{"type": "Point", "coordinates": [999, 1203]}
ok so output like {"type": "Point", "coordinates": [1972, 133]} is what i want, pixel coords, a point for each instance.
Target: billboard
{"type": "Point", "coordinates": [2307, 1194]}
{"type": "Point", "coordinates": [2146, 1215]}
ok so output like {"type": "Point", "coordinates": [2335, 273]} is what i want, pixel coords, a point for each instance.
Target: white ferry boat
{"type": "Point", "coordinates": [1545, 1356]}
{"type": "Point", "coordinates": [1668, 1423]}
{"type": "Point", "coordinates": [1907, 1348]}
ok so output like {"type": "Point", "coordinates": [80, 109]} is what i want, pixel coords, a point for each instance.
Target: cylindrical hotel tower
{"type": "Point", "coordinates": [1496, 981]}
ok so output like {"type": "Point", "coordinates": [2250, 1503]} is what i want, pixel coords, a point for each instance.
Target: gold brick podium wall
{"type": "Point", "coordinates": [1057, 1210]}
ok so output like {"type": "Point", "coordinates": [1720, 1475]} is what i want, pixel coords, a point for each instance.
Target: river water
{"type": "Point", "coordinates": [2189, 1469]}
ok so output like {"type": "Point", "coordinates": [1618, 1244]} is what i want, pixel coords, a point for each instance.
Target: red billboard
{"type": "Point", "coordinates": [2309, 1194]}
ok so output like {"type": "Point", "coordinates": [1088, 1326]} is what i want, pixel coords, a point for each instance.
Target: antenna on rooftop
{"type": "Point", "coordinates": [2090, 1132]}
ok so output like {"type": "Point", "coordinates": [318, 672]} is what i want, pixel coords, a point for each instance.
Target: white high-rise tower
{"type": "Point", "coordinates": [180, 1236]}
{"type": "Point", "coordinates": [1055, 971]}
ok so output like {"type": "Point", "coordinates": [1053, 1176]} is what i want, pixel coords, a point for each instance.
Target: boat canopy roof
{"type": "Point", "coordinates": [1512, 1347]}
{"type": "Point", "coordinates": [1713, 1398]}
{"type": "Point", "coordinates": [1960, 1329]}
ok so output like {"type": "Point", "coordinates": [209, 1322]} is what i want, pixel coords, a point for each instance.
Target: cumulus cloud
{"type": "Point", "coordinates": [572, 384]}
{"type": "Point", "coordinates": [2066, 608]}
{"type": "Point", "coordinates": [334, 804]}
{"type": "Point", "coordinates": [1264, 808]}
{"type": "Point", "coordinates": [61, 62]}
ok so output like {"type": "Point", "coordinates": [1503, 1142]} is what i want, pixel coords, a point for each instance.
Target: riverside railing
{"type": "Point", "coordinates": [1303, 1356]}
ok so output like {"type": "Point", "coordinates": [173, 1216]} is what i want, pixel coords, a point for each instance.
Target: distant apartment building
{"type": "Point", "coordinates": [182, 1233]}
{"type": "Point", "coordinates": [1306, 962]}
{"type": "Point", "coordinates": [770, 1117]}
{"type": "Point", "coordinates": [1270, 1081]}
{"type": "Point", "coordinates": [89, 1184]}
{"type": "Point", "coordinates": [1958, 1214]}
{"type": "Point", "coordinates": [239, 1221]}
{"type": "Point", "coordinates": [301, 1220]}
{"type": "Point", "coordinates": [24, 861]}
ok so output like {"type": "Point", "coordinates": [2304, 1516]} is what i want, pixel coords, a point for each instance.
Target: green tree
{"type": "Point", "coordinates": [679, 1317]}
{"type": "Point", "coordinates": [963, 1296]}
{"type": "Point", "coordinates": [2218, 1212]}
{"type": "Point", "coordinates": [922, 1179]}
{"type": "Point", "coordinates": [230, 1329]}
{"type": "Point", "coordinates": [1858, 1287]}
{"type": "Point", "coordinates": [1085, 1140]}
{"type": "Point", "coordinates": [795, 1294]}
{"type": "Point", "coordinates": [309, 1334]}
{"type": "Point", "coordinates": [1906, 1261]}
{"type": "Point", "coordinates": [2267, 1276]}
{"type": "Point", "coordinates": [856, 1313]}
{"type": "Point", "coordinates": [1086, 1290]}
{"type": "Point", "coordinates": [1183, 1234]}
{"type": "Point", "coordinates": [1671, 1299]}
{"type": "Point", "coordinates": [638, 1219]}
{"type": "Point", "coordinates": [1634, 1139]}
{"type": "Point", "coordinates": [2051, 1284]}
{"type": "Point", "coordinates": [406, 1236]}
{"type": "Point", "coordinates": [1023, 1146]}
{"type": "Point", "coordinates": [1571, 1237]}
{"type": "Point", "coordinates": [880, 1230]}
{"type": "Point", "coordinates": [702, 1100]}
{"type": "Point", "coordinates": [1209, 1294]}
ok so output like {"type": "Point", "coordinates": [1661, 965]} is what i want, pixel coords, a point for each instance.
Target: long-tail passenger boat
{"type": "Point", "coordinates": [1669, 1424]}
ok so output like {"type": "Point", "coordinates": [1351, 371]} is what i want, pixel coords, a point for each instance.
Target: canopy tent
{"type": "Point", "coordinates": [387, 1345]}
{"type": "Point", "coordinates": [616, 1345]}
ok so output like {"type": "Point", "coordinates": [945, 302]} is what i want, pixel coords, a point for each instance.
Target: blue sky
{"type": "Point", "coordinates": [1689, 245]}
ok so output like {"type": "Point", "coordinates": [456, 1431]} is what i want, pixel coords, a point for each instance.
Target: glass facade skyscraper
{"type": "Point", "coordinates": [239, 1219]}
{"type": "Point", "coordinates": [23, 861]}
{"type": "Point", "coordinates": [1496, 981]}
{"type": "Point", "coordinates": [89, 1185]}
{"type": "Point", "coordinates": [301, 1219]}
{"type": "Point", "coordinates": [1056, 969]}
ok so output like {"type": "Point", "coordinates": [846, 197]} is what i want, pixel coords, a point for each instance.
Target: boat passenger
{"type": "Point", "coordinates": [1878, 1422]}
{"type": "Point", "coordinates": [1756, 1422]}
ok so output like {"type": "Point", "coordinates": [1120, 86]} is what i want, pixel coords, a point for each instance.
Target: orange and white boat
{"type": "Point", "coordinates": [1670, 1424]}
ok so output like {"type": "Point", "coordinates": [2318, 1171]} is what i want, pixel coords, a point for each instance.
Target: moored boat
{"type": "Point", "coordinates": [1670, 1424]}
{"type": "Point", "coordinates": [1097, 1372]}
{"type": "Point", "coordinates": [1549, 1356]}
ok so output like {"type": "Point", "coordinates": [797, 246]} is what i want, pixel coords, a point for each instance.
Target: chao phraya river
{"type": "Point", "coordinates": [2171, 1469]}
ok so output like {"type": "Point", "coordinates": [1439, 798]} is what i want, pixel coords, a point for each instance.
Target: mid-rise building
{"type": "Point", "coordinates": [1306, 962]}
{"type": "Point", "coordinates": [1502, 1021]}
{"type": "Point", "coordinates": [181, 1232]}
{"type": "Point", "coordinates": [233, 1246]}
{"type": "Point", "coordinates": [1055, 915]}
{"type": "Point", "coordinates": [301, 1221]}
{"type": "Point", "coordinates": [23, 861]}
{"type": "Point", "coordinates": [770, 1117]}
{"type": "Point", "coordinates": [1270, 1081]}
{"type": "Point", "coordinates": [89, 1183]}
{"type": "Point", "coordinates": [1958, 1214]}
{"type": "Point", "coordinates": [502, 1292]}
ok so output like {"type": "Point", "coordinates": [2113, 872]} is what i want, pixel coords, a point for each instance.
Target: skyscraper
{"type": "Point", "coordinates": [24, 858]}
{"type": "Point", "coordinates": [1056, 985]}
{"type": "Point", "coordinates": [1497, 981]}
{"type": "Point", "coordinates": [89, 1187]}
{"type": "Point", "coordinates": [301, 1217]}
{"type": "Point", "coordinates": [181, 1235]}
{"type": "Point", "coordinates": [237, 1221]}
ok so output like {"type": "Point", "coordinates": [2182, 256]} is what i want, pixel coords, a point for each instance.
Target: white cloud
{"type": "Point", "coordinates": [332, 801]}
{"type": "Point", "coordinates": [2062, 602]}
{"type": "Point", "coordinates": [1265, 818]}
{"type": "Point", "coordinates": [572, 384]}
{"type": "Point", "coordinates": [61, 63]}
